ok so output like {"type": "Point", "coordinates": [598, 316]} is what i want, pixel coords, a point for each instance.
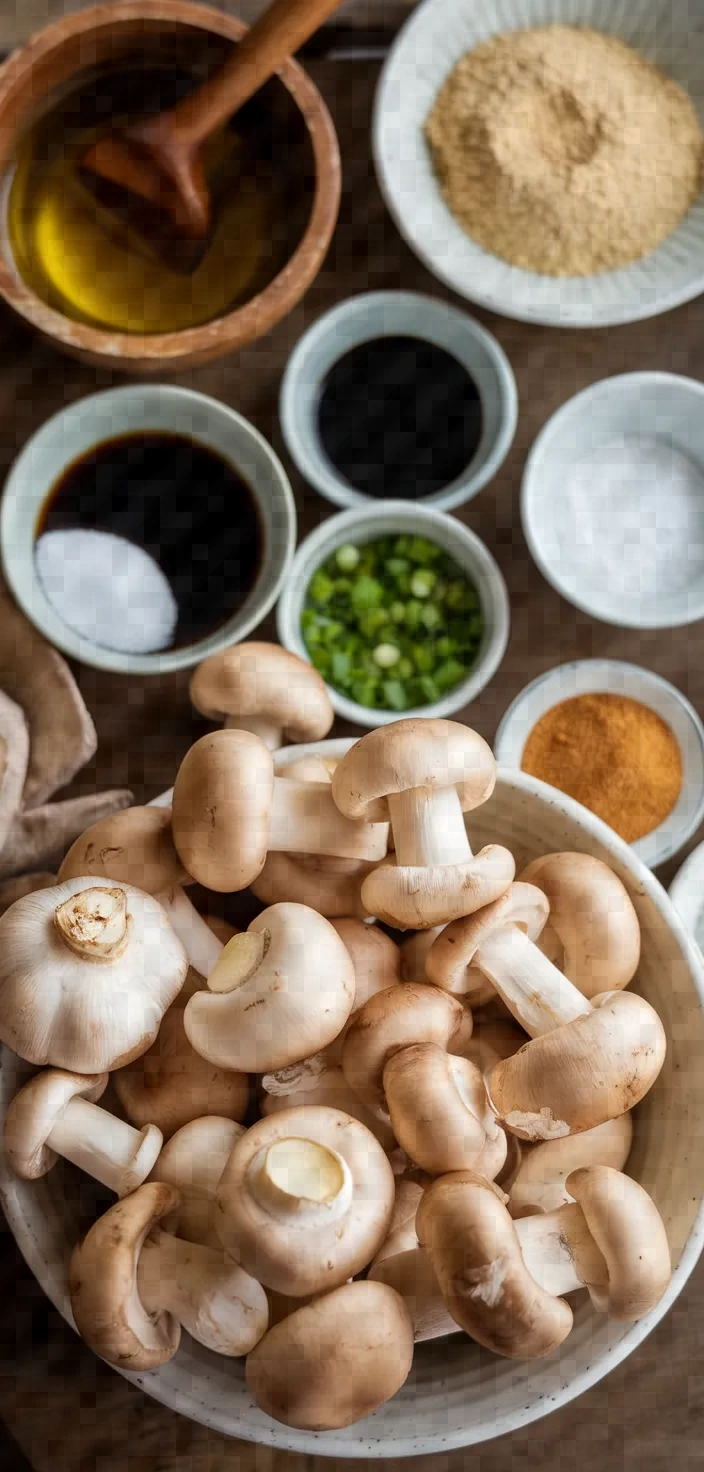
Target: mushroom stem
{"type": "Point", "coordinates": [559, 1251]}
{"type": "Point", "coordinates": [200, 944]}
{"type": "Point", "coordinates": [215, 1301]}
{"type": "Point", "coordinates": [106, 1148]}
{"type": "Point", "coordinates": [239, 960]}
{"type": "Point", "coordinates": [305, 820]}
{"type": "Point", "coordinates": [301, 1178]}
{"type": "Point", "coordinates": [428, 827]}
{"type": "Point", "coordinates": [267, 730]}
{"type": "Point", "coordinates": [537, 994]}
{"type": "Point", "coordinates": [94, 923]}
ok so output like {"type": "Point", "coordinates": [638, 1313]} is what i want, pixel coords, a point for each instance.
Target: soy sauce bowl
{"type": "Point", "coordinates": [381, 314]}
{"type": "Point", "coordinates": [149, 408]}
{"type": "Point", "coordinates": [366, 524]}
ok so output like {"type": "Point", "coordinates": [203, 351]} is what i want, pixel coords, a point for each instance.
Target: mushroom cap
{"type": "Point", "coordinates": [418, 752]}
{"type": "Point", "coordinates": [629, 1232]}
{"type": "Point", "coordinates": [593, 934]}
{"type": "Point", "coordinates": [311, 768]}
{"type": "Point", "coordinates": [220, 810]}
{"type": "Point", "coordinates": [258, 679]}
{"type": "Point", "coordinates": [295, 1000]}
{"type": "Point", "coordinates": [439, 1111]}
{"type": "Point", "coordinates": [412, 1275]}
{"type": "Point", "coordinates": [414, 950]}
{"type": "Point", "coordinates": [401, 1236]}
{"type": "Point", "coordinates": [134, 846]}
{"type": "Point", "coordinates": [449, 960]}
{"type": "Point", "coordinates": [492, 1039]}
{"type": "Point", "coordinates": [331, 1089]}
{"type": "Point", "coordinates": [106, 1305]}
{"type": "Point", "coordinates": [193, 1161]}
{"type": "Point", "coordinates": [35, 1110]}
{"type": "Point", "coordinates": [171, 1084]}
{"type": "Point", "coordinates": [473, 1247]}
{"type": "Point", "coordinates": [316, 882]}
{"type": "Point", "coordinates": [79, 1012]}
{"type": "Point", "coordinates": [540, 1181]}
{"type": "Point", "coordinates": [285, 1252]}
{"type": "Point", "coordinates": [415, 897]}
{"type": "Point", "coordinates": [583, 1073]}
{"type": "Point", "coordinates": [375, 956]}
{"type": "Point", "coordinates": [335, 1360]}
{"type": "Point", "coordinates": [395, 1019]}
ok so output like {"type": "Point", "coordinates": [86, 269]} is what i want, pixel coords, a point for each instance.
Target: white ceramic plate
{"type": "Point", "coordinates": [668, 32]}
{"type": "Point", "coordinates": [588, 676]}
{"type": "Point", "coordinates": [457, 1394]}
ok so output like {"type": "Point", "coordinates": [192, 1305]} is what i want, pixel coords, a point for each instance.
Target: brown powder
{"type": "Point", "coordinates": [564, 151]}
{"type": "Point", "coordinates": [614, 755]}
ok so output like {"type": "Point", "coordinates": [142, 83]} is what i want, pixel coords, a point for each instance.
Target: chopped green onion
{"type": "Point", "coordinates": [423, 582]}
{"type": "Point", "coordinates": [386, 655]}
{"type": "Point", "coordinates": [347, 557]}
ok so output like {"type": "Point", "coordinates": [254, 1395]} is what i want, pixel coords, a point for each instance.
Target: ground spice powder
{"type": "Point", "coordinates": [614, 755]}
{"type": "Point", "coordinates": [564, 151]}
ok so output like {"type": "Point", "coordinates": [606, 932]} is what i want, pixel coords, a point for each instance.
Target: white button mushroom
{"type": "Point", "coordinates": [280, 991]}
{"type": "Point", "coordinates": [264, 689]}
{"type": "Point", "coordinates": [396, 1019]}
{"type": "Point", "coordinates": [305, 1200]}
{"type": "Point", "coordinates": [193, 1161]}
{"type": "Point", "coordinates": [589, 1061]}
{"type": "Point", "coordinates": [335, 1360]}
{"type": "Point", "coordinates": [87, 971]}
{"type": "Point", "coordinates": [402, 1264]}
{"type": "Point", "coordinates": [133, 1287]}
{"type": "Point", "coordinates": [56, 1113]}
{"type": "Point", "coordinates": [592, 934]}
{"type": "Point", "coordinates": [424, 774]}
{"type": "Point", "coordinates": [540, 1181]}
{"type": "Point", "coordinates": [229, 809]}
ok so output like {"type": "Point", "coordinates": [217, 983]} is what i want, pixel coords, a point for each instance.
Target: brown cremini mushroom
{"type": "Point", "coordinates": [264, 689]}
{"type": "Point", "coordinates": [404, 1266]}
{"type": "Point", "coordinates": [323, 1083]}
{"type": "Point", "coordinates": [56, 1113]}
{"type": "Point", "coordinates": [280, 991]}
{"type": "Point", "coordinates": [305, 1200]}
{"type": "Point", "coordinates": [133, 1287]}
{"type": "Point", "coordinates": [87, 971]}
{"type": "Point", "coordinates": [396, 1019]}
{"type": "Point", "coordinates": [439, 1111]}
{"type": "Point", "coordinates": [335, 1360]}
{"type": "Point", "coordinates": [193, 1161]}
{"type": "Point", "coordinates": [229, 810]}
{"type": "Point", "coordinates": [592, 934]}
{"type": "Point", "coordinates": [540, 1181]}
{"type": "Point", "coordinates": [424, 774]}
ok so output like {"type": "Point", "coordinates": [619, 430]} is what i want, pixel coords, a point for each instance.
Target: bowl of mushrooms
{"type": "Point", "coordinates": [325, 1189]}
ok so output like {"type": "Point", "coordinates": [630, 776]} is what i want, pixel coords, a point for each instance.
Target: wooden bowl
{"type": "Point", "coordinates": [36, 76]}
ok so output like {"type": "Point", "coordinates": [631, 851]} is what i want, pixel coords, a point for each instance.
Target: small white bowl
{"type": "Point", "coordinates": [687, 894]}
{"type": "Point", "coordinates": [379, 520]}
{"type": "Point", "coordinates": [651, 408]}
{"type": "Point", "coordinates": [397, 314]}
{"type": "Point", "coordinates": [147, 407]}
{"type": "Point", "coordinates": [591, 676]}
{"type": "Point", "coordinates": [434, 38]}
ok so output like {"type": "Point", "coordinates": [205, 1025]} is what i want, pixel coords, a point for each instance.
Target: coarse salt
{"type": "Point", "coordinates": [107, 590]}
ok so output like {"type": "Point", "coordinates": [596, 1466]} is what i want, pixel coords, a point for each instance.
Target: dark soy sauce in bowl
{"type": "Point", "coordinates": [184, 504]}
{"type": "Point", "coordinates": [399, 418]}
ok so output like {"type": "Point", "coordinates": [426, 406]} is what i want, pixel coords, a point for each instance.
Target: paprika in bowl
{"type": "Point", "coordinates": [620, 740]}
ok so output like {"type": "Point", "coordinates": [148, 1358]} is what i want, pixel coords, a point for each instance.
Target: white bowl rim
{"type": "Point", "coordinates": [20, 572]}
{"type": "Point", "coordinates": [317, 542]}
{"type": "Point", "coordinates": [319, 471]}
{"type": "Point", "coordinates": [665, 848]}
{"type": "Point", "coordinates": [687, 889]}
{"type": "Point", "coordinates": [326, 1443]}
{"type": "Point", "coordinates": [563, 316]}
{"type": "Point", "coordinates": [531, 474]}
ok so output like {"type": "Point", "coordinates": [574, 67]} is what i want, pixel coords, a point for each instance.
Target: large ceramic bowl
{"type": "Point", "coordinates": [457, 1393]}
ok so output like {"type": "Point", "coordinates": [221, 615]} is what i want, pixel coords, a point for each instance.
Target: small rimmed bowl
{"type": "Point", "coordinates": [74, 47]}
{"type": "Point", "coordinates": [641, 408]}
{"type": "Point", "coordinates": [595, 676]}
{"type": "Point", "coordinates": [457, 1394]}
{"type": "Point", "coordinates": [151, 407]}
{"type": "Point", "coordinates": [384, 519]}
{"type": "Point", "coordinates": [397, 314]}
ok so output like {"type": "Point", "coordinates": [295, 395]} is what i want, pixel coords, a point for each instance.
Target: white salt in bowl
{"type": "Point", "coordinates": [613, 500]}
{"type": "Point", "coordinates": [458, 1394]}
{"type": "Point", "coordinates": [439, 32]}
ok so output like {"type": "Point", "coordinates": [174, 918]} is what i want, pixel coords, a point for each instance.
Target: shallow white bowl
{"type": "Point", "coordinates": [72, 433]}
{"type": "Point", "coordinates": [378, 519]}
{"type": "Point", "coordinates": [590, 676]}
{"type": "Point", "coordinates": [687, 893]}
{"type": "Point", "coordinates": [458, 1394]}
{"type": "Point", "coordinates": [439, 32]}
{"type": "Point", "coordinates": [397, 314]}
{"type": "Point", "coordinates": [642, 407]}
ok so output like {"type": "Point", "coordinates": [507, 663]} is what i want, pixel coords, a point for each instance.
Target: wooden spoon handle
{"type": "Point", "coordinates": [275, 36]}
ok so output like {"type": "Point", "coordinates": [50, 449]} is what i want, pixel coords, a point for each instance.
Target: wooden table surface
{"type": "Point", "coordinates": [67, 1411]}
